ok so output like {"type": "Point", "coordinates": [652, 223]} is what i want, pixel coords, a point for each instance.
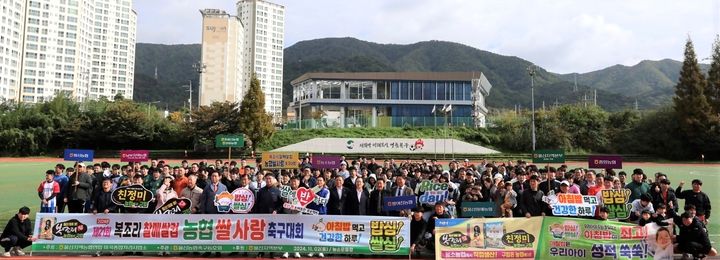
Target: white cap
{"type": "Point", "coordinates": [373, 176]}
{"type": "Point", "coordinates": [498, 176]}
{"type": "Point", "coordinates": [565, 182]}
{"type": "Point", "coordinates": [81, 165]}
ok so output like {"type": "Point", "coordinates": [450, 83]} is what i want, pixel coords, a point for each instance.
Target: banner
{"type": "Point", "coordinates": [548, 156]}
{"type": "Point", "coordinates": [550, 238]}
{"type": "Point", "coordinates": [133, 196]}
{"type": "Point", "coordinates": [568, 204]}
{"type": "Point", "coordinates": [278, 160]}
{"type": "Point", "coordinates": [226, 233]}
{"type": "Point", "coordinates": [605, 162]}
{"type": "Point", "coordinates": [399, 203]}
{"type": "Point", "coordinates": [618, 203]}
{"type": "Point", "coordinates": [175, 206]}
{"type": "Point", "coordinates": [576, 238]}
{"type": "Point", "coordinates": [432, 192]}
{"type": "Point", "coordinates": [326, 161]}
{"type": "Point", "coordinates": [300, 198]}
{"type": "Point", "coordinates": [134, 155]}
{"type": "Point", "coordinates": [481, 238]}
{"type": "Point", "coordinates": [478, 209]}
{"type": "Point", "coordinates": [79, 155]}
{"type": "Point", "coordinates": [224, 141]}
{"type": "Point", "coordinates": [243, 200]}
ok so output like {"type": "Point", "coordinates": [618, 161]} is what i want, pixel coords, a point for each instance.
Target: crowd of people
{"type": "Point", "coordinates": [359, 186]}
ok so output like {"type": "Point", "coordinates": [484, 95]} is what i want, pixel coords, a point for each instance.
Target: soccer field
{"type": "Point", "coordinates": [20, 181]}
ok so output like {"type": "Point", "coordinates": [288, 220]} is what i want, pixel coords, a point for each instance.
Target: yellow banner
{"type": "Point", "coordinates": [490, 238]}
{"type": "Point", "coordinates": [280, 160]}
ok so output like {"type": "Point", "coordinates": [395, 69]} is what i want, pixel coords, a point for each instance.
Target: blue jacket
{"type": "Point", "coordinates": [322, 209]}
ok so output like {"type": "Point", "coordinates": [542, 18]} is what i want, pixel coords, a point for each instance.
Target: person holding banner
{"type": "Point", "coordinates": [193, 192]}
{"type": "Point", "coordinates": [17, 234]}
{"type": "Point", "coordinates": [165, 192]}
{"type": "Point", "coordinates": [531, 203]}
{"type": "Point", "coordinates": [322, 192]}
{"type": "Point", "coordinates": [207, 199]}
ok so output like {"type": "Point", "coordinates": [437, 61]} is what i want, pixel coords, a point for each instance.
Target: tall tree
{"type": "Point", "coordinates": [217, 118]}
{"type": "Point", "coordinates": [696, 119]}
{"type": "Point", "coordinates": [713, 86]}
{"type": "Point", "coordinates": [255, 122]}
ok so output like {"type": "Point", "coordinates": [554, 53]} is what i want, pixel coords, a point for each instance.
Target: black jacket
{"type": "Point", "coordinates": [354, 205]}
{"type": "Point", "coordinates": [695, 232]}
{"type": "Point", "coordinates": [375, 203]}
{"type": "Point", "coordinates": [531, 202]}
{"type": "Point", "coordinates": [700, 200]}
{"type": "Point", "coordinates": [102, 201]}
{"type": "Point", "coordinates": [417, 230]}
{"type": "Point", "coordinates": [268, 200]}
{"type": "Point", "coordinates": [336, 203]}
{"type": "Point", "coordinates": [22, 230]}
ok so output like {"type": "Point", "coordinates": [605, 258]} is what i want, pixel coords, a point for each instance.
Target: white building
{"type": "Point", "coordinates": [264, 24]}
{"type": "Point", "coordinates": [82, 48]}
{"type": "Point", "coordinates": [222, 55]}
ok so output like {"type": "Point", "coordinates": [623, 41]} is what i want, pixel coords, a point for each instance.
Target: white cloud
{"type": "Point", "coordinates": [559, 35]}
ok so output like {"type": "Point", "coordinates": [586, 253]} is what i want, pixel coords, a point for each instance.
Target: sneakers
{"type": "Point", "coordinates": [310, 255]}
{"type": "Point", "coordinates": [297, 255]}
{"type": "Point", "coordinates": [286, 255]}
{"type": "Point", "coordinates": [321, 255]}
{"type": "Point", "coordinates": [6, 254]}
{"type": "Point", "coordinates": [18, 251]}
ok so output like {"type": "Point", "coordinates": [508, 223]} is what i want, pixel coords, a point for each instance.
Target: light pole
{"type": "Point", "coordinates": [531, 72]}
{"type": "Point", "coordinates": [148, 107]}
{"type": "Point", "coordinates": [200, 69]}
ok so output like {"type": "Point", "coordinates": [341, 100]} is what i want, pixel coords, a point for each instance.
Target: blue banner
{"type": "Point", "coordinates": [399, 203]}
{"type": "Point", "coordinates": [478, 209]}
{"type": "Point", "coordinates": [79, 155]}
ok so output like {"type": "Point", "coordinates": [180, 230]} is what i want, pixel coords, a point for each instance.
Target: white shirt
{"type": "Point", "coordinates": [339, 192]}
{"type": "Point", "coordinates": [359, 194]}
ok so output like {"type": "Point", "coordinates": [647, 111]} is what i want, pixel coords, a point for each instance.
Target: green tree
{"type": "Point", "coordinates": [217, 118]}
{"type": "Point", "coordinates": [256, 124]}
{"type": "Point", "coordinates": [587, 126]}
{"type": "Point", "coordinates": [696, 119]}
{"type": "Point", "coordinates": [713, 82]}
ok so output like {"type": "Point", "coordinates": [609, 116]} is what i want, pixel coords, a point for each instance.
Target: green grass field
{"type": "Point", "coordinates": [19, 182]}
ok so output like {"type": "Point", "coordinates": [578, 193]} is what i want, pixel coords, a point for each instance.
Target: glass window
{"type": "Point", "coordinates": [417, 87]}
{"type": "Point", "coordinates": [458, 91]}
{"type": "Point", "coordinates": [404, 90]}
{"type": "Point", "coordinates": [467, 91]}
{"type": "Point", "coordinates": [441, 91]}
{"type": "Point", "coordinates": [383, 91]}
{"type": "Point", "coordinates": [394, 90]}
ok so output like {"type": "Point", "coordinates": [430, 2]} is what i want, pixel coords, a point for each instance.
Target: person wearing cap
{"type": "Point", "coordinates": [637, 187]}
{"type": "Point", "coordinates": [640, 205]}
{"type": "Point", "coordinates": [693, 238]}
{"type": "Point", "coordinates": [564, 187]}
{"type": "Point", "coordinates": [418, 225]}
{"type": "Point", "coordinates": [696, 197]}
{"type": "Point", "coordinates": [17, 234]}
{"type": "Point", "coordinates": [48, 192]}
{"type": "Point", "coordinates": [80, 190]}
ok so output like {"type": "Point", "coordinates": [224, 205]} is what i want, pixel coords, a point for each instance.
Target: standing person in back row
{"type": "Point", "coordinates": [48, 192]}
{"type": "Point", "coordinates": [696, 197]}
{"type": "Point", "coordinates": [62, 181]}
{"type": "Point", "coordinates": [637, 187]}
{"type": "Point", "coordinates": [79, 190]}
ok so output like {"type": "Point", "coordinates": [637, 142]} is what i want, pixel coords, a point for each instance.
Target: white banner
{"type": "Point", "coordinates": [385, 145]}
{"type": "Point", "coordinates": [222, 233]}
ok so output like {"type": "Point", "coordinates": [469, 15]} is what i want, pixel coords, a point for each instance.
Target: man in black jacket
{"type": "Point", "coordinates": [268, 199]}
{"type": "Point", "coordinates": [376, 199]}
{"type": "Point", "coordinates": [17, 234]}
{"type": "Point", "coordinates": [102, 202]}
{"type": "Point", "coordinates": [696, 197]}
{"type": "Point", "coordinates": [531, 202]}
{"type": "Point", "coordinates": [693, 238]}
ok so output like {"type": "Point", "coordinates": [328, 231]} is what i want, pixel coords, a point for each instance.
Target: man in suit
{"type": "Point", "coordinates": [350, 181]}
{"type": "Point", "coordinates": [338, 196]}
{"type": "Point", "coordinates": [401, 189]}
{"type": "Point", "coordinates": [357, 200]}
{"type": "Point", "coordinates": [207, 199]}
{"type": "Point", "coordinates": [376, 199]}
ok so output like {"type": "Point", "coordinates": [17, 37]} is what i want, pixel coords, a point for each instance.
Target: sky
{"type": "Point", "coordinates": [561, 36]}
